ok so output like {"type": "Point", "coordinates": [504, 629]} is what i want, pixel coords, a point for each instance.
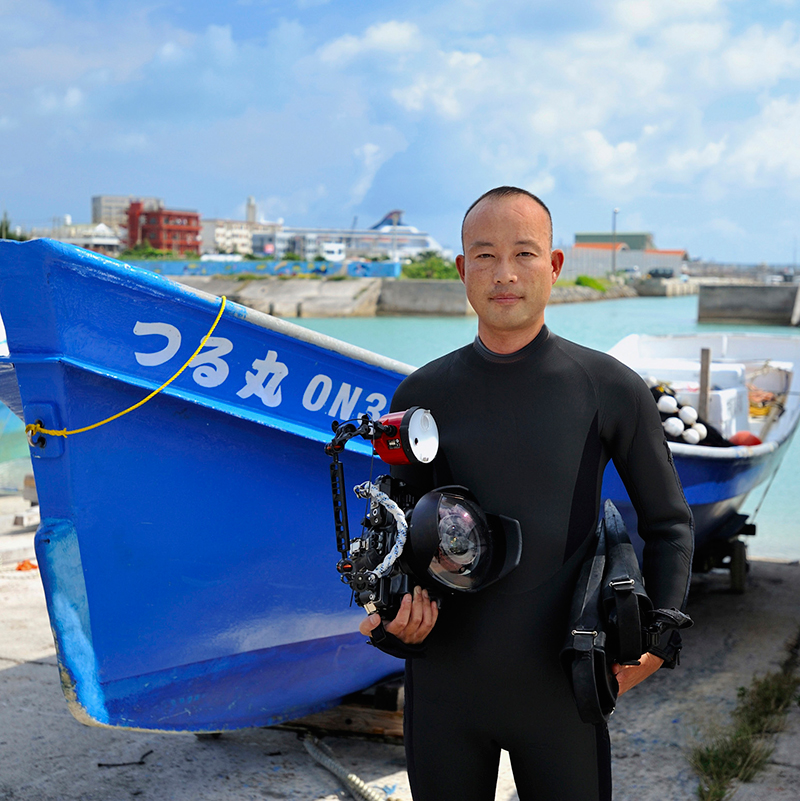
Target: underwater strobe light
{"type": "Point", "coordinates": [442, 541]}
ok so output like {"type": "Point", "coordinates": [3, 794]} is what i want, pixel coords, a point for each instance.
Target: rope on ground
{"type": "Point", "coordinates": [356, 787]}
{"type": "Point", "coordinates": [35, 428]}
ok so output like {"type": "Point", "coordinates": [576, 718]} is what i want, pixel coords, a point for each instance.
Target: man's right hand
{"type": "Point", "coordinates": [414, 621]}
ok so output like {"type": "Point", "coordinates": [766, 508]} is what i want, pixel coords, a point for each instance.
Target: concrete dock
{"type": "Point", "coordinates": [764, 304]}
{"type": "Point", "coordinates": [364, 297]}
{"type": "Point", "coordinates": [45, 755]}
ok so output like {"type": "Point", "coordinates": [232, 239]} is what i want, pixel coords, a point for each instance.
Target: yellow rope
{"type": "Point", "coordinates": [35, 428]}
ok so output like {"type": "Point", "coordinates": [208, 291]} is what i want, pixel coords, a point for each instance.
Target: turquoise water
{"type": "Point", "coordinates": [14, 456]}
{"type": "Point", "coordinates": [417, 340]}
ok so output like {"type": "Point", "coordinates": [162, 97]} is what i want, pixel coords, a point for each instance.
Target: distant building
{"type": "Point", "coordinates": [390, 238]}
{"type": "Point", "coordinates": [634, 241]}
{"type": "Point", "coordinates": [598, 254]}
{"type": "Point", "coordinates": [112, 210]}
{"type": "Point", "coordinates": [165, 229]}
{"type": "Point", "coordinates": [100, 238]}
{"type": "Point", "coordinates": [252, 210]}
{"type": "Point", "coordinates": [232, 236]}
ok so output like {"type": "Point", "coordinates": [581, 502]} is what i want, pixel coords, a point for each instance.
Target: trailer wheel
{"type": "Point", "coordinates": [738, 566]}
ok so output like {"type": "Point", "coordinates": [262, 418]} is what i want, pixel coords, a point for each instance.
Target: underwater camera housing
{"type": "Point", "coordinates": [442, 541]}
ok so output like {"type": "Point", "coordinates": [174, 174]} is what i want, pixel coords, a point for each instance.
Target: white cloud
{"type": "Point", "coordinates": [293, 203]}
{"type": "Point", "coordinates": [726, 227]}
{"type": "Point", "coordinates": [685, 38]}
{"type": "Point", "coordinates": [771, 147]}
{"type": "Point", "coordinates": [541, 184]}
{"type": "Point", "coordinates": [388, 37]}
{"type": "Point", "coordinates": [642, 15]}
{"type": "Point", "coordinates": [688, 162]}
{"type": "Point", "coordinates": [50, 102]}
{"type": "Point", "coordinates": [615, 165]}
{"type": "Point", "coordinates": [761, 58]}
{"type": "Point", "coordinates": [171, 53]}
{"type": "Point", "coordinates": [372, 157]}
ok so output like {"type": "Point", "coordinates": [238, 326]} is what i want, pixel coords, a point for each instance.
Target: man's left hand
{"type": "Point", "coordinates": [630, 675]}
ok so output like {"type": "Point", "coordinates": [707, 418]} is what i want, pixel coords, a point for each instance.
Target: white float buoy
{"type": "Point", "coordinates": [691, 436]}
{"type": "Point", "coordinates": [701, 430]}
{"type": "Point", "coordinates": [667, 404]}
{"type": "Point", "coordinates": [673, 426]}
{"type": "Point", "coordinates": [688, 414]}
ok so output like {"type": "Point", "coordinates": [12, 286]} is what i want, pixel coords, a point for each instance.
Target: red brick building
{"type": "Point", "coordinates": [165, 229]}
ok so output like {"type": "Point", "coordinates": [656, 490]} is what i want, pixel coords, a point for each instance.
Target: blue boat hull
{"type": "Point", "coordinates": [715, 489]}
{"type": "Point", "coordinates": [187, 549]}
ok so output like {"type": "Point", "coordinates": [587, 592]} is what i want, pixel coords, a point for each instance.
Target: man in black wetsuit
{"type": "Point", "coordinates": [528, 422]}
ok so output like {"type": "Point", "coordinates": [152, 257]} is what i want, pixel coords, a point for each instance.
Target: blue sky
{"type": "Point", "coordinates": [684, 114]}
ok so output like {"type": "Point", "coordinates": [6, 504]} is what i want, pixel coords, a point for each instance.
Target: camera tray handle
{"type": "Point", "coordinates": [379, 632]}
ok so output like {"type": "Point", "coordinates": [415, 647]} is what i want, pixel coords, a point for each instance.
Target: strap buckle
{"type": "Point", "coordinates": [584, 641]}
{"type": "Point", "coordinates": [622, 585]}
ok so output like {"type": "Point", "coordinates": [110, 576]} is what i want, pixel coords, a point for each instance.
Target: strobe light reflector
{"type": "Point", "coordinates": [409, 437]}
{"type": "Point", "coordinates": [453, 543]}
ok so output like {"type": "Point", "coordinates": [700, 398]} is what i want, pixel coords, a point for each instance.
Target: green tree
{"type": "Point", "coordinates": [430, 264]}
{"type": "Point", "coordinates": [6, 232]}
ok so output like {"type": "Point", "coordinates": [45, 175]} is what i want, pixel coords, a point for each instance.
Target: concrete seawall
{"type": "Point", "coordinates": [665, 287]}
{"type": "Point", "coordinates": [423, 297]}
{"type": "Point", "coordinates": [365, 297]}
{"type": "Point", "coordinates": [749, 303]}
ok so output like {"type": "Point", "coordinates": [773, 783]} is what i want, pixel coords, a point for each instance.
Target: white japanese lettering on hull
{"type": "Point", "coordinates": [319, 382]}
{"type": "Point", "coordinates": [265, 382]}
{"type": "Point", "coordinates": [173, 337]}
{"type": "Point", "coordinates": [344, 402]}
{"type": "Point", "coordinates": [210, 368]}
{"type": "Point", "coordinates": [378, 402]}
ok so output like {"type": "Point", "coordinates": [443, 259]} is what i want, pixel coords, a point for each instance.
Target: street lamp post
{"type": "Point", "coordinates": [614, 242]}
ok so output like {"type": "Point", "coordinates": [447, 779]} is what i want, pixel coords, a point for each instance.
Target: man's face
{"type": "Point", "coordinates": [508, 269]}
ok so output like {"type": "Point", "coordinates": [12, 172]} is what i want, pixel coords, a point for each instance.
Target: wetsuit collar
{"type": "Point", "coordinates": [517, 355]}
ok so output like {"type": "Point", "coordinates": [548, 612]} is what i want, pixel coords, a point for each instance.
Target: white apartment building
{"type": "Point", "coordinates": [232, 236]}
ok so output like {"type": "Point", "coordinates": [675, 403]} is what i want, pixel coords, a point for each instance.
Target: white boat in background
{"type": "Point", "coordinates": [752, 390]}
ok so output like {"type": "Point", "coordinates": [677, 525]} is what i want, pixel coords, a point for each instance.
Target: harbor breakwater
{"type": "Point", "coordinates": [750, 303]}
{"type": "Point", "coordinates": [365, 297]}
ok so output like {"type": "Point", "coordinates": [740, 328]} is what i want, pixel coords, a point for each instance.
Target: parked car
{"type": "Point", "coordinates": [661, 272]}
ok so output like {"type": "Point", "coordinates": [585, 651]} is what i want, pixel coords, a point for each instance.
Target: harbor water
{"type": "Point", "coordinates": [599, 325]}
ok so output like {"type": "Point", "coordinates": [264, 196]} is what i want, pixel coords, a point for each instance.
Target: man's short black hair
{"type": "Point", "coordinates": [508, 191]}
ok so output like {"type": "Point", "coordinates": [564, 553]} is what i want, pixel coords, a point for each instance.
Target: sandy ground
{"type": "Point", "coordinates": [45, 755]}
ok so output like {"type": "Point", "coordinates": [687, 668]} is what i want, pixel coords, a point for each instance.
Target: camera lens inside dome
{"type": "Point", "coordinates": [464, 549]}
